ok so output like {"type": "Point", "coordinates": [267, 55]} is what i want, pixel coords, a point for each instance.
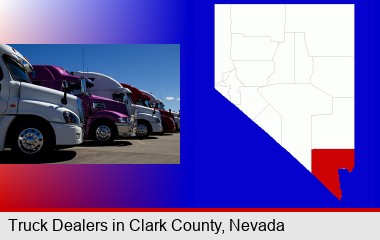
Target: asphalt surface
{"type": "Point", "coordinates": [156, 149]}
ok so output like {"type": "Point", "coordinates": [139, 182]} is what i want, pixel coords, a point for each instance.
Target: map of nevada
{"type": "Point", "coordinates": [290, 68]}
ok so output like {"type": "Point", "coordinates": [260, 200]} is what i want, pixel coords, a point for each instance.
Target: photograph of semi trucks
{"type": "Point", "coordinates": [46, 110]}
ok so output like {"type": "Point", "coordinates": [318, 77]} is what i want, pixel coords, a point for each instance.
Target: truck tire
{"type": "Point", "coordinates": [103, 133]}
{"type": "Point", "coordinates": [143, 129]}
{"type": "Point", "coordinates": [31, 140]}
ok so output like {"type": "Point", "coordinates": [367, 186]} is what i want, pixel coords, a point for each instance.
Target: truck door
{"type": "Point", "coordinates": [3, 100]}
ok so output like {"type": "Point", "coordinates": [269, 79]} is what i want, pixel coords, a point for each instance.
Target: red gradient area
{"type": "Point", "coordinates": [89, 186]}
{"type": "Point", "coordinates": [325, 164]}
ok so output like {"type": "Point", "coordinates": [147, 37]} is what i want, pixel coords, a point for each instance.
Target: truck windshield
{"type": "Point", "coordinates": [80, 87]}
{"type": "Point", "coordinates": [161, 106]}
{"type": "Point", "coordinates": [147, 104]}
{"type": "Point", "coordinates": [75, 88]}
{"type": "Point", "coordinates": [120, 97]}
{"type": "Point", "coordinates": [17, 71]}
{"type": "Point", "coordinates": [158, 105]}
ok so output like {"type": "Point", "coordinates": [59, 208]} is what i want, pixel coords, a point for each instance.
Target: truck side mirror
{"type": "Point", "coordinates": [64, 86]}
{"type": "Point", "coordinates": [154, 111]}
{"type": "Point", "coordinates": [83, 85]}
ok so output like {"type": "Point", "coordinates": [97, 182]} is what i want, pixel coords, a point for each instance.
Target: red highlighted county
{"type": "Point", "coordinates": [294, 76]}
{"type": "Point", "coordinates": [326, 163]}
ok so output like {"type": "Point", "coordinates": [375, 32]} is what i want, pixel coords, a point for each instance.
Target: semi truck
{"type": "Point", "coordinates": [148, 119]}
{"type": "Point", "coordinates": [167, 117]}
{"type": "Point", "coordinates": [33, 119]}
{"type": "Point", "coordinates": [105, 119]}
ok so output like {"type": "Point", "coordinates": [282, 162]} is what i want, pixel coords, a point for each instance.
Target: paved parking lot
{"type": "Point", "coordinates": [163, 149]}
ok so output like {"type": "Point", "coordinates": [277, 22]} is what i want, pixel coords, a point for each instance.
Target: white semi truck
{"type": "Point", "coordinates": [34, 119]}
{"type": "Point", "coordinates": [148, 120]}
{"type": "Point", "coordinates": [157, 103]}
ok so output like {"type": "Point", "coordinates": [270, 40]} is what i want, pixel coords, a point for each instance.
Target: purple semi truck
{"type": "Point", "coordinates": [105, 119]}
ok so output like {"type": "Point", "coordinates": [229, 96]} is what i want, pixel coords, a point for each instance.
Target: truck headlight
{"type": "Point", "coordinates": [124, 120]}
{"type": "Point", "coordinates": [70, 118]}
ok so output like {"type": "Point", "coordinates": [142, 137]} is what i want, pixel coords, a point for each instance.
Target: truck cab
{"type": "Point", "coordinates": [34, 119]}
{"type": "Point", "coordinates": [167, 117]}
{"type": "Point", "coordinates": [145, 110]}
{"type": "Point", "coordinates": [148, 120]}
{"type": "Point", "coordinates": [105, 119]}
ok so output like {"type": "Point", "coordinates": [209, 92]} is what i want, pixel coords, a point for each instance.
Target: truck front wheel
{"type": "Point", "coordinates": [143, 129]}
{"type": "Point", "coordinates": [103, 133]}
{"type": "Point", "coordinates": [31, 140]}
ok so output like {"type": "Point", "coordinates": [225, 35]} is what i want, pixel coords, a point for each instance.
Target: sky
{"type": "Point", "coordinates": [151, 67]}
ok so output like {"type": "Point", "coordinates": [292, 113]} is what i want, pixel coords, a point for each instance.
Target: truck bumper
{"type": "Point", "coordinates": [126, 129]}
{"type": "Point", "coordinates": [157, 127]}
{"type": "Point", "coordinates": [67, 135]}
